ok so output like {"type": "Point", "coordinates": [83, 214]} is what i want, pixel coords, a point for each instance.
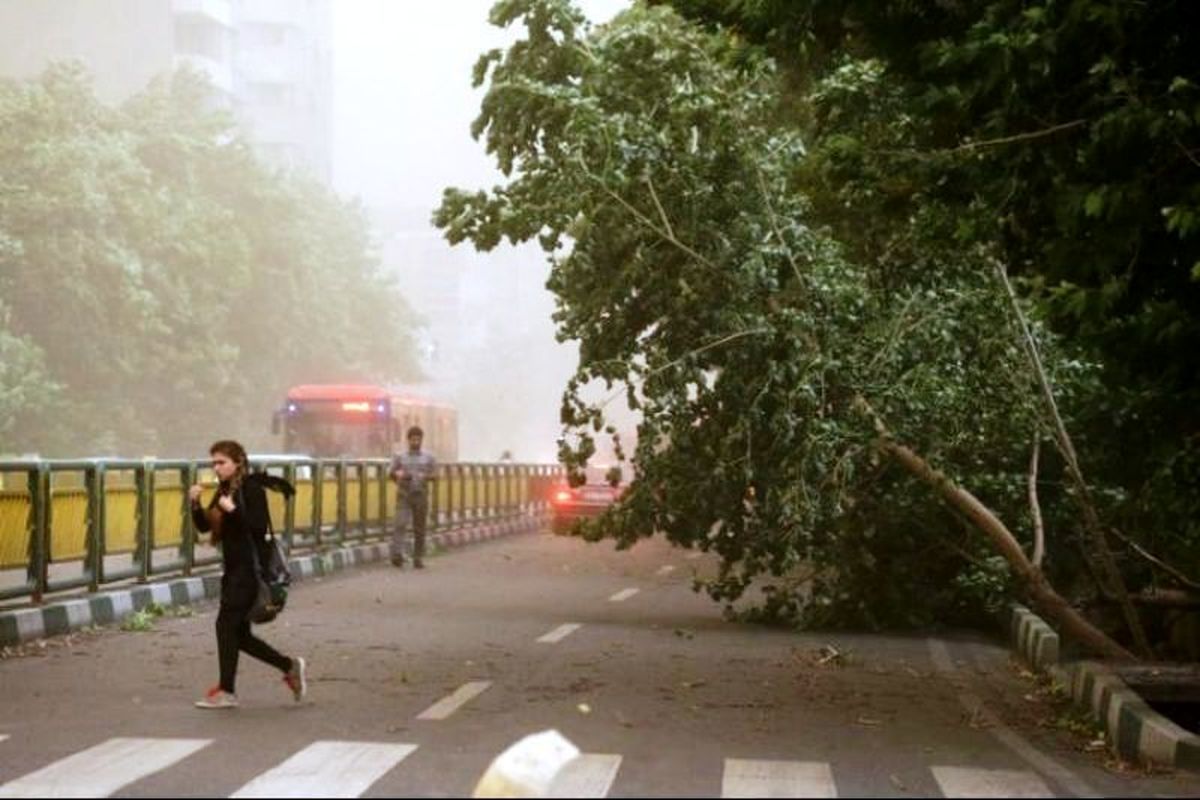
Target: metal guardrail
{"type": "Point", "coordinates": [70, 524]}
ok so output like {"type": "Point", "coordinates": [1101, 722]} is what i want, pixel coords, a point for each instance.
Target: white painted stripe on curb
{"type": "Point", "coordinates": [102, 770]}
{"type": "Point", "coordinates": [623, 595]}
{"type": "Point", "coordinates": [195, 589]}
{"type": "Point", "coordinates": [328, 769]}
{"type": "Point", "coordinates": [79, 614]}
{"type": "Point", "coordinates": [587, 775]}
{"type": "Point", "coordinates": [976, 782]}
{"type": "Point", "coordinates": [30, 624]}
{"type": "Point", "coordinates": [666, 569]}
{"type": "Point", "coordinates": [448, 705]}
{"type": "Point", "coordinates": [560, 633]}
{"type": "Point", "coordinates": [746, 777]}
{"type": "Point", "coordinates": [161, 594]}
{"type": "Point", "coordinates": [122, 605]}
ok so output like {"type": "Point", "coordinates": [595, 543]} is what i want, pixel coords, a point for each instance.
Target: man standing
{"type": "Point", "coordinates": [413, 472]}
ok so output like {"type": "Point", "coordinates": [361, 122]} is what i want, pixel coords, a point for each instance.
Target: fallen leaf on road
{"type": "Point", "coordinates": [584, 708]}
{"type": "Point", "coordinates": [693, 684]}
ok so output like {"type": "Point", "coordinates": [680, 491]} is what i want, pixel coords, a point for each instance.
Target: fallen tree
{"type": "Point", "coordinates": [650, 162]}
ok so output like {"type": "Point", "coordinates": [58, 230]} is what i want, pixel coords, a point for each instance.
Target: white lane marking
{"type": "Point", "coordinates": [622, 595]}
{"type": "Point", "coordinates": [974, 782]}
{"type": "Point", "coordinates": [102, 770]}
{"type": "Point", "coordinates": [448, 705]}
{"type": "Point", "coordinates": [746, 777]}
{"type": "Point", "coordinates": [328, 769]}
{"type": "Point", "coordinates": [3, 736]}
{"type": "Point", "coordinates": [587, 775]}
{"type": "Point", "coordinates": [666, 569]}
{"type": "Point", "coordinates": [559, 633]}
{"type": "Point", "coordinates": [1009, 738]}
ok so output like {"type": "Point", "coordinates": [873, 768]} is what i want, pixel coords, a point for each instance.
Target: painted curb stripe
{"type": "Point", "coordinates": [560, 633]}
{"type": "Point", "coordinates": [448, 705]}
{"type": "Point", "coordinates": [102, 770]}
{"type": "Point", "coordinates": [975, 782]}
{"type": "Point", "coordinates": [328, 769]}
{"type": "Point", "coordinates": [745, 777]}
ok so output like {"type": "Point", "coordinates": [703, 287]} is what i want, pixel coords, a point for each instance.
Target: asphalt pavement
{"type": "Point", "coordinates": [418, 679]}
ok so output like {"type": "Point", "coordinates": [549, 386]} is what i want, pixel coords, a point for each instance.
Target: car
{"type": "Point", "coordinates": [570, 504]}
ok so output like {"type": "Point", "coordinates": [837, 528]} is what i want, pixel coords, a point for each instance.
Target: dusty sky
{"type": "Point", "coordinates": [403, 105]}
{"type": "Point", "coordinates": [403, 100]}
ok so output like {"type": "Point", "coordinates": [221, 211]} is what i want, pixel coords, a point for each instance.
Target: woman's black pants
{"type": "Point", "coordinates": [233, 635]}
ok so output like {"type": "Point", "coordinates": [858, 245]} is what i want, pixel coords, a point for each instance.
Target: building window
{"type": "Point", "coordinates": [198, 37]}
{"type": "Point", "coordinates": [270, 94]}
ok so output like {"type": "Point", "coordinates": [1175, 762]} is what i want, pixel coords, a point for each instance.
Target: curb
{"type": "Point", "coordinates": [1135, 730]}
{"type": "Point", "coordinates": [1034, 639]}
{"type": "Point", "coordinates": [110, 607]}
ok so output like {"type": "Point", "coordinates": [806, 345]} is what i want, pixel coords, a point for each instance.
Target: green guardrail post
{"type": "Point", "coordinates": [435, 501]}
{"type": "Point", "coordinates": [460, 470]}
{"type": "Point", "coordinates": [364, 512]}
{"type": "Point", "coordinates": [318, 510]}
{"type": "Point", "coordinates": [144, 480]}
{"type": "Point", "coordinates": [187, 541]}
{"type": "Point", "coordinates": [96, 526]}
{"type": "Point", "coordinates": [289, 507]}
{"type": "Point", "coordinates": [383, 477]}
{"type": "Point", "coordinates": [341, 500]}
{"type": "Point", "coordinates": [39, 529]}
{"type": "Point", "coordinates": [489, 492]}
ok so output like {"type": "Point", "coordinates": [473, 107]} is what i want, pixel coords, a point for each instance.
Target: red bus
{"type": "Point", "coordinates": [362, 421]}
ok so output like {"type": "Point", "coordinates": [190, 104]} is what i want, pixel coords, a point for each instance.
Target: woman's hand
{"type": "Point", "coordinates": [194, 493]}
{"type": "Point", "coordinates": [226, 503]}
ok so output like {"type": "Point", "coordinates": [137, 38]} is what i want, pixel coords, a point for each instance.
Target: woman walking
{"type": "Point", "coordinates": [238, 518]}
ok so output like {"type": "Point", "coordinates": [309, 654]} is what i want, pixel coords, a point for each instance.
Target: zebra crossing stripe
{"type": "Point", "coordinates": [622, 595]}
{"type": "Point", "coordinates": [328, 769]}
{"type": "Point", "coordinates": [587, 775]}
{"type": "Point", "coordinates": [104, 769]}
{"type": "Point", "coordinates": [974, 782]}
{"type": "Point", "coordinates": [448, 705]}
{"type": "Point", "coordinates": [746, 777]}
{"type": "Point", "coordinates": [666, 569]}
{"type": "Point", "coordinates": [559, 633]}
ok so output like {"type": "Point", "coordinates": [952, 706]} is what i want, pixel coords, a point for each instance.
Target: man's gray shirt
{"type": "Point", "coordinates": [418, 468]}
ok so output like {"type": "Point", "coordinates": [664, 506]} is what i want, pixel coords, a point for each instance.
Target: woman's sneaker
{"type": "Point", "coordinates": [217, 698]}
{"type": "Point", "coordinates": [296, 680]}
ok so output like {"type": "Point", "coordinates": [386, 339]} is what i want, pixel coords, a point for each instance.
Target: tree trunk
{"type": "Point", "coordinates": [1041, 593]}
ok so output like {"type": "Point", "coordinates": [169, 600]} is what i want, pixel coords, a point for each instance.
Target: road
{"type": "Point", "coordinates": [419, 679]}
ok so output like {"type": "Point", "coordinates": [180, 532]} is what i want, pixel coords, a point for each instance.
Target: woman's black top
{"type": "Point", "coordinates": [245, 524]}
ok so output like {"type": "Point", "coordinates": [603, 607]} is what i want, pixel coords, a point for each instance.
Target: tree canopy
{"type": "Point", "coordinates": [159, 284]}
{"type": "Point", "coordinates": [838, 390]}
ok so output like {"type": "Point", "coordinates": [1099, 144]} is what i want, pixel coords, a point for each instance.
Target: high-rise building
{"type": "Point", "coordinates": [269, 60]}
